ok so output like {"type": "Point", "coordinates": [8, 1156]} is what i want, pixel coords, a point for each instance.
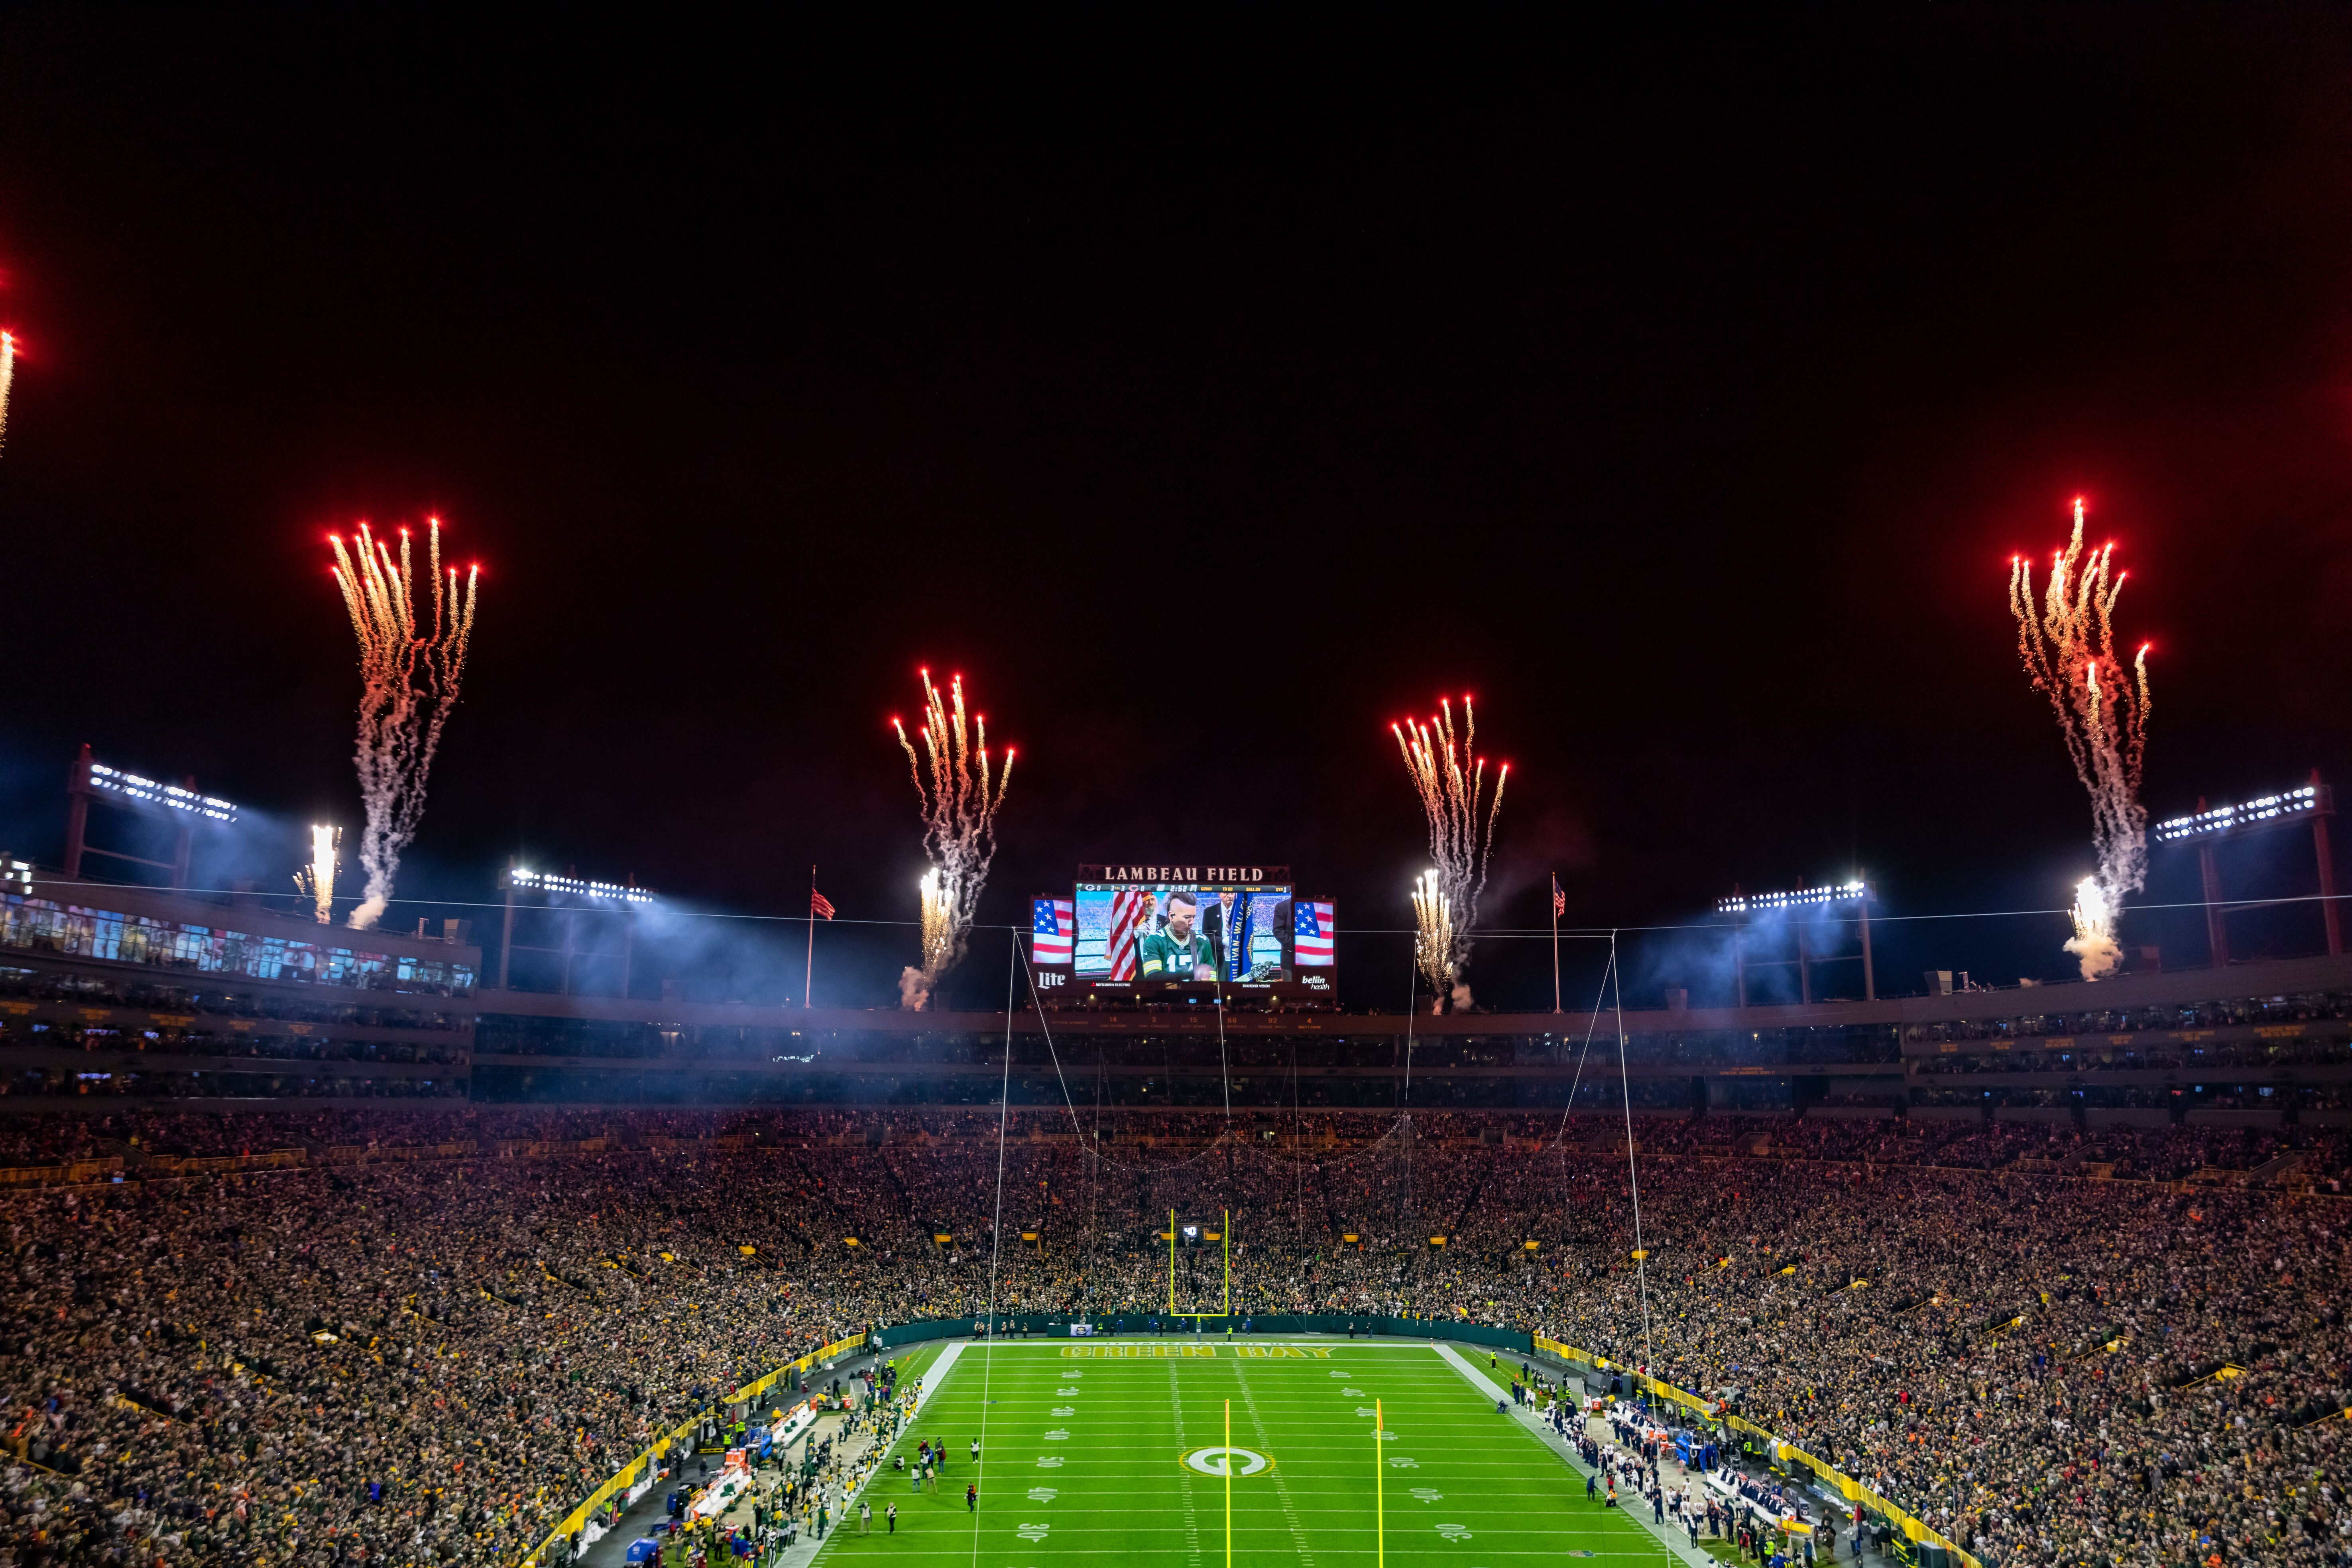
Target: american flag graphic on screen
{"type": "Point", "coordinates": [1056, 927]}
{"type": "Point", "coordinates": [1314, 932]}
{"type": "Point", "coordinates": [1125, 914]}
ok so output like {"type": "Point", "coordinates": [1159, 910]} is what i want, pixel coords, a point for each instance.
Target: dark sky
{"type": "Point", "coordinates": [1209, 400]}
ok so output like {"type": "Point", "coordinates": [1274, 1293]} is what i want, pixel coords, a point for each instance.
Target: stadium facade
{"type": "Point", "coordinates": [110, 992]}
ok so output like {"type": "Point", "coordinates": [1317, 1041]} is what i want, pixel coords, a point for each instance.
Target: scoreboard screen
{"type": "Point", "coordinates": [1132, 931]}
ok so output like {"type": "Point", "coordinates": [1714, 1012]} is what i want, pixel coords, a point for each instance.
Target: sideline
{"type": "Point", "coordinates": [801, 1552]}
{"type": "Point", "coordinates": [1541, 1431]}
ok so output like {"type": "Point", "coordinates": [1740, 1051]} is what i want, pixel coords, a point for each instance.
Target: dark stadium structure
{"type": "Point", "coordinates": [109, 992]}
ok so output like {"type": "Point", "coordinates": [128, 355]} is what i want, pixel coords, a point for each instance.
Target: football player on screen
{"type": "Point", "coordinates": [1178, 952]}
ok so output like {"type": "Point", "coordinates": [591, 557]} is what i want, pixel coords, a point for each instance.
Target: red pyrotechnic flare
{"type": "Point", "coordinates": [960, 794]}
{"type": "Point", "coordinates": [2064, 633]}
{"type": "Point", "coordinates": [8, 352]}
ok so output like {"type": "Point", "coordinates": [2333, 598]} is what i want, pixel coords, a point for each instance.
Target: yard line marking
{"type": "Point", "coordinates": [1183, 1477]}
{"type": "Point", "coordinates": [1281, 1485]}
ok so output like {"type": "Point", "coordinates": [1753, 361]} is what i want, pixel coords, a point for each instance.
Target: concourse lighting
{"type": "Point", "coordinates": [1801, 899]}
{"type": "Point", "coordinates": [2259, 812]}
{"type": "Point", "coordinates": [131, 786]}
{"type": "Point", "coordinates": [547, 882]}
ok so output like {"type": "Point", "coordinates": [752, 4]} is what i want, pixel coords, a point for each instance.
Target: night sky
{"type": "Point", "coordinates": [1209, 401]}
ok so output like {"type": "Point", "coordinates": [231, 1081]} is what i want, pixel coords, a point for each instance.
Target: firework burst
{"type": "Point", "coordinates": [2067, 643]}
{"type": "Point", "coordinates": [2093, 943]}
{"type": "Point", "coordinates": [1433, 937]}
{"type": "Point", "coordinates": [7, 379]}
{"type": "Point", "coordinates": [960, 802]}
{"type": "Point", "coordinates": [317, 880]}
{"type": "Point", "coordinates": [409, 674]}
{"type": "Point", "coordinates": [1451, 779]}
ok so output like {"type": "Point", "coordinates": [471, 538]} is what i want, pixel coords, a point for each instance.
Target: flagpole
{"type": "Point", "coordinates": [808, 981]}
{"type": "Point", "coordinates": [1555, 942]}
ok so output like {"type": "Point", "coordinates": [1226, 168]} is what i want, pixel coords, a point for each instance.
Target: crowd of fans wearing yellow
{"type": "Point", "coordinates": [435, 1361]}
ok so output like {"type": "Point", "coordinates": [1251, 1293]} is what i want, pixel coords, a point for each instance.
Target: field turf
{"type": "Point", "coordinates": [1086, 1445]}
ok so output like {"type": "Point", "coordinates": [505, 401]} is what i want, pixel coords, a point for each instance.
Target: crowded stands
{"type": "Point", "coordinates": [379, 1358]}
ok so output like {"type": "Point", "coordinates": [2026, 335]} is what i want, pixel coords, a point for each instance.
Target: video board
{"type": "Point", "coordinates": [1138, 931]}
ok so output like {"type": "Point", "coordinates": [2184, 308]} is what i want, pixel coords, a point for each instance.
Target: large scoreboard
{"type": "Point", "coordinates": [1192, 932]}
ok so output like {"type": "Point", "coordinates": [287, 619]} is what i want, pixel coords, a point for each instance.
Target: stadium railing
{"type": "Point", "coordinates": [72, 1174]}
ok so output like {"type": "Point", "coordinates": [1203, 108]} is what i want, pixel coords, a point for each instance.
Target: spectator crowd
{"type": "Point", "coordinates": [435, 1359]}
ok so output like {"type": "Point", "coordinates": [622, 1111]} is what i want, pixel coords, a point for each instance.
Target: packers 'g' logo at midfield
{"type": "Point", "coordinates": [1222, 1461]}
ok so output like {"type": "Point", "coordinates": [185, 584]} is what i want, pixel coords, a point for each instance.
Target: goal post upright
{"type": "Point", "coordinates": [1379, 1491]}
{"type": "Point", "coordinates": [1226, 1245]}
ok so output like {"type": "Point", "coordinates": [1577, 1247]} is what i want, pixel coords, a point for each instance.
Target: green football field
{"type": "Point", "coordinates": [1095, 1449]}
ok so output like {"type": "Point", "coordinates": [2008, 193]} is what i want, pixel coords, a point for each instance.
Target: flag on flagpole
{"type": "Point", "coordinates": [819, 904]}
{"type": "Point", "coordinates": [1559, 898]}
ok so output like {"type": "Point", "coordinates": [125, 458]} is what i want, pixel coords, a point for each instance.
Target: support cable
{"type": "Point", "coordinates": [1404, 1093]}
{"type": "Point", "coordinates": [1599, 997]}
{"type": "Point", "coordinates": [1632, 1176]}
{"type": "Point", "coordinates": [1077, 1127]}
{"type": "Point", "coordinates": [995, 1236]}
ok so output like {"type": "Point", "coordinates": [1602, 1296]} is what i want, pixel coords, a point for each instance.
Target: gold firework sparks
{"type": "Point", "coordinates": [317, 880]}
{"type": "Point", "coordinates": [960, 801]}
{"type": "Point", "coordinates": [2093, 943]}
{"type": "Point", "coordinates": [1451, 779]}
{"type": "Point", "coordinates": [939, 939]}
{"type": "Point", "coordinates": [2067, 644]}
{"type": "Point", "coordinates": [1434, 936]}
{"type": "Point", "coordinates": [409, 677]}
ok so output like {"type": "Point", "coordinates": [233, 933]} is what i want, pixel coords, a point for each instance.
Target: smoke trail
{"type": "Point", "coordinates": [317, 880]}
{"type": "Point", "coordinates": [7, 379]}
{"type": "Point", "coordinates": [409, 680]}
{"type": "Point", "coordinates": [2067, 644]}
{"type": "Point", "coordinates": [959, 809]}
{"type": "Point", "coordinates": [1450, 780]}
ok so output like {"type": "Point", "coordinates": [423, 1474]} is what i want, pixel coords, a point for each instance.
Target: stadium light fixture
{"type": "Point", "coordinates": [2263, 811]}
{"type": "Point", "coordinates": [1799, 899]}
{"type": "Point", "coordinates": [1739, 906]}
{"type": "Point", "coordinates": [2208, 825]}
{"type": "Point", "coordinates": [580, 887]}
{"type": "Point", "coordinates": [149, 791]}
